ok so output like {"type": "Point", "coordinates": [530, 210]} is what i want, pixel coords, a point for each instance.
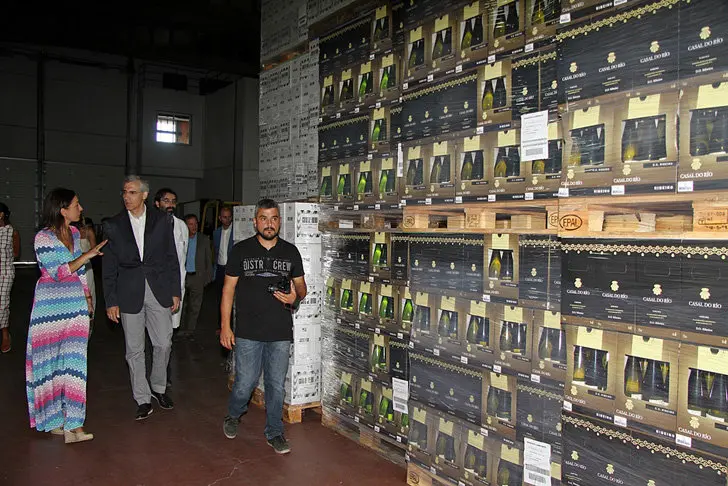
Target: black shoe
{"type": "Point", "coordinates": [280, 444]}
{"type": "Point", "coordinates": [164, 401]}
{"type": "Point", "coordinates": [143, 411]}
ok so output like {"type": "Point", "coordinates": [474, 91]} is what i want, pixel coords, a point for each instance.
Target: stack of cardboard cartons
{"type": "Point", "coordinates": [299, 226]}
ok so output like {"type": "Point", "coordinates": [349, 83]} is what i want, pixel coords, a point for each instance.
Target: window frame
{"type": "Point", "coordinates": [175, 118]}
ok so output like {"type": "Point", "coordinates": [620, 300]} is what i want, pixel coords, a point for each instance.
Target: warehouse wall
{"type": "Point", "coordinates": [231, 143]}
{"type": "Point", "coordinates": [85, 135]}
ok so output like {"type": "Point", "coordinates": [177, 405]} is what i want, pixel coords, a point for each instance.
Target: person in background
{"type": "Point", "coordinates": [222, 240]}
{"type": "Point", "coordinates": [142, 289]}
{"type": "Point", "coordinates": [265, 276]}
{"type": "Point", "coordinates": [199, 273]}
{"type": "Point", "coordinates": [88, 240]}
{"type": "Point", "coordinates": [166, 200]}
{"type": "Point", "coordinates": [56, 353]}
{"type": "Point", "coordinates": [9, 251]}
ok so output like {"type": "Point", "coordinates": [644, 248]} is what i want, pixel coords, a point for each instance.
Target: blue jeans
{"type": "Point", "coordinates": [250, 357]}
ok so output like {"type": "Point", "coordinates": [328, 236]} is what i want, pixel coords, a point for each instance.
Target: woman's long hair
{"type": "Point", "coordinates": [6, 211]}
{"type": "Point", "coordinates": [57, 199]}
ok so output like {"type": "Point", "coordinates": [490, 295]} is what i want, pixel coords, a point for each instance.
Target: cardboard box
{"type": "Point", "coordinates": [382, 29]}
{"type": "Point", "coordinates": [478, 454]}
{"type": "Point", "coordinates": [597, 453]}
{"type": "Point", "coordinates": [329, 95]}
{"type": "Point", "coordinates": [443, 37]}
{"type": "Point", "coordinates": [539, 413]}
{"type": "Point", "coordinates": [448, 451]}
{"type": "Point", "coordinates": [494, 93]}
{"type": "Point", "coordinates": [303, 384]}
{"type": "Point", "coordinates": [349, 298]}
{"type": "Point", "coordinates": [549, 338]}
{"type": "Point", "coordinates": [647, 384]}
{"type": "Point", "coordinates": [702, 157]}
{"type": "Point", "coordinates": [364, 176]}
{"type": "Point", "coordinates": [386, 182]}
{"type": "Point", "coordinates": [509, 174]}
{"type": "Point", "coordinates": [400, 258]}
{"type": "Point", "coordinates": [367, 402]}
{"type": "Point", "coordinates": [327, 176]}
{"type": "Point", "coordinates": [474, 32]}
{"type": "Point", "coordinates": [440, 170]}
{"type": "Point", "coordinates": [311, 258]}
{"type": "Point", "coordinates": [450, 334]}
{"type": "Point", "coordinates": [437, 263]}
{"type": "Point", "coordinates": [702, 409]}
{"type": "Point", "coordinates": [500, 404]}
{"type": "Point", "coordinates": [702, 35]}
{"type": "Point", "coordinates": [366, 309]}
{"type": "Point", "coordinates": [389, 75]}
{"type": "Point", "coordinates": [388, 307]}
{"type": "Point", "coordinates": [332, 297]}
{"type": "Point", "coordinates": [347, 95]}
{"type": "Point", "coordinates": [386, 417]}
{"type": "Point", "coordinates": [299, 223]}
{"type": "Point", "coordinates": [423, 314]}
{"type": "Point", "coordinates": [407, 309]}
{"type": "Point", "coordinates": [243, 222]}
{"type": "Point", "coordinates": [399, 358]}
{"type": "Point", "coordinates": [508, 467]}
{"type": "Point", "coordinates": [591, 377]}
{"type": "Point", "coordinates": [381, 257]}
{"type": "Point", "coordinates": [345, 186]}
{"type": "Point", "coordinates": [380, 131]}
{"type": "Point", "coordinates": [503, 267]}
{"type": "Point", "coordinates": [479, 343]}
{"type": "Point", "coordinates": [543, 176]}
{"type": "Point", "coordinates": [542, 20]}
{"type": "Point", "coordinates": [418, 53]}
{"type": "Point", "coordinates": [343, 138]}
{"type": "Point", "coordinates": [416, 164]}
{"type": "Point", "coordinates": [535, 256]}
{"type": "Point", "coordinates": [306, 345]}
{"type": "Point", "coordinates": [514, 330]}
{"type": "Point", "coordinates": [379, 358]}
{"type": "Point", "coordinates": [366, 85]}
{"type": "Point", "coordinates": [473, 172]}
{"type": "Point", "coordinates": [420, 443]}
{"type": "Point", "coordinates": [507, 24]}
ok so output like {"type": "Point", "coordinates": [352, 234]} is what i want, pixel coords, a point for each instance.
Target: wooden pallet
{"type": "Point", "coordinates": [515, 216]}
{"type": "Point", "coordinates": [364, 436]}
{"type": "Point", "coordinates": [382, 220]}
{"type": "Point", "coordinates": [417, 476]}
{"type": "Point", "coordinates": [292, 414]}
{"type": "Point", "coordinates": [684, 215]}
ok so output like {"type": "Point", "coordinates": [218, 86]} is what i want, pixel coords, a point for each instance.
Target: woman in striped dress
{"type": "Point", "coordinates": [55, 363]}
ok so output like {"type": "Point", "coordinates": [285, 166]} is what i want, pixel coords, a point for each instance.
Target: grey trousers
{"type": "Point", "coordinates": [157, 320]}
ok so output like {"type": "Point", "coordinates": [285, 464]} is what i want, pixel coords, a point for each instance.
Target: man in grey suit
{"type": "Point", "coordinates": [199, 274]}
{"type": "Point", "coordinates": [142, 289]}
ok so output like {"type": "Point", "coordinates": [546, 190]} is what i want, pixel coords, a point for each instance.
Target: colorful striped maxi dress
{"type": "Point", "coordinates": [55, 362]}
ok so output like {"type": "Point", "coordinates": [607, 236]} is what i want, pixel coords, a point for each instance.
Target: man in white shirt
{"type": "Point", "coordinates": [222, 242]}
{"type": "Point", "coordinates": [166, 200]}
{"type": "Point", "coordinates": [142, 289]}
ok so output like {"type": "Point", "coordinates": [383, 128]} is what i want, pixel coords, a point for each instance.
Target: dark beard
{"type": "Point", "coordinates": [268, 238]}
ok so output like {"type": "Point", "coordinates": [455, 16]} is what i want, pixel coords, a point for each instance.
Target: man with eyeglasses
{"type": "Point", "coordinates": [142, 289]}
{"type": "Point", "coordinates": [166, 200]}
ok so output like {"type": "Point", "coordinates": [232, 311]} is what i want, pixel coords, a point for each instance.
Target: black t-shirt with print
{"type": "Point", "coordinates": [259, 315]}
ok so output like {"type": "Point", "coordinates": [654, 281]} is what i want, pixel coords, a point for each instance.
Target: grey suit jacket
{"type": "Point", "coordinates": [203, 258]}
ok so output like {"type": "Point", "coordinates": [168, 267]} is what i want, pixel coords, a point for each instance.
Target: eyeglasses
{"type": "Point", "coordinates": [169, 201]}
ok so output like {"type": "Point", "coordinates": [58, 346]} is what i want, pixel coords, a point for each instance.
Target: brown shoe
{"type": "Point", "coordinates": [7, 342]}
{"type": "Point", "coordinates": [57, 431]}
{"type": "Point", "coordinates": [78, 435]}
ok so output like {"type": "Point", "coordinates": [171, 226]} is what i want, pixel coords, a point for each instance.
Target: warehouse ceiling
{"type": "Point", "coordinates": [216, 35]}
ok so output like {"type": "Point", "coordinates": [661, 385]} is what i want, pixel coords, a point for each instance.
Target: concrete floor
{"type": "Point", "coordinates": [184, 446]}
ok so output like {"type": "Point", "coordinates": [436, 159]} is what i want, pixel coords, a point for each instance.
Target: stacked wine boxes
{"type": "Point", "coordinates": [299, 226]}
{"type": "Point", "coordinates": [538, 358]}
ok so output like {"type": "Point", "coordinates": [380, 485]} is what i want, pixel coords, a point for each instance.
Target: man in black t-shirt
{"type": "Point", "coordinates": [265, 275]}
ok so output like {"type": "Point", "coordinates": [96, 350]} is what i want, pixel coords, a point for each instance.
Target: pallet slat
{"type": "Point", "coordinates": [292, 414]}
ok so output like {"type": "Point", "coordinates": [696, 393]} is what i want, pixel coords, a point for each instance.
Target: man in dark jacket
{"type": "Point", "coordinates": [142, 288]}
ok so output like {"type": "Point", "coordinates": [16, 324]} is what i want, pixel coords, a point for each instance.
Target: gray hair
{"type": "Point", "coordinates": [143, 183]}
